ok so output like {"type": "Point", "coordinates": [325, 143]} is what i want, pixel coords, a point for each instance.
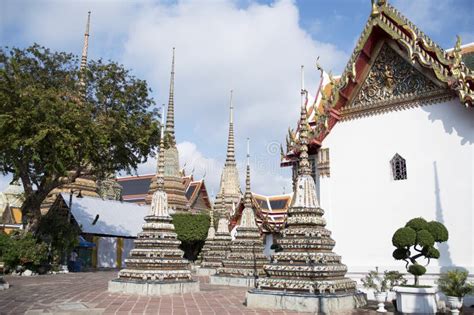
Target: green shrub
{"type": "Point", "coordinates": [404, 237]}
{"type": "Point", "coordinates": [417, 270]}
{"type": "Point", "coordinates": [400, 254]}
{"type": "Point", "coordinates": [417, 224]}
{"type": "Point", "coordinates": [430, 252]}
{"type": "Point", "coordinates": [394, 278]}
{"type": "Point", "coordinates": [5, 244]}
{"type": "Point", "coordinates": [416, 240]}
{"type": "Point", "coordinates": [424, 238]}
{"type": "Point", "coordinates": [454, 283]}
{"type": "Point", "coordinates": [63, 236]}
{"type": "Point", "coordinates": [192, 232]}
{"type": "Point", "coordinates": [439, 231]}
{"type": "Point", "coordinates": [25, 250]}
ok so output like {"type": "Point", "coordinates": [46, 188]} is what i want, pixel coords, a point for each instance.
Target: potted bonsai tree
{"type": "Point", "coordinates": [377, 282]}
{"type": "Point", "coordinates": [455, 286]}
{"type": "Point", "coordinates": [413, 242]}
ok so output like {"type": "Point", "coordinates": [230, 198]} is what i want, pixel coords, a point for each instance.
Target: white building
{"type": "Point", "coordinates": [393, 139]}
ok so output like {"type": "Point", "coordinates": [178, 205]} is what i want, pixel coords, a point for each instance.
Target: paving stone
{"type": "Point", "coordinates": [47, 294]}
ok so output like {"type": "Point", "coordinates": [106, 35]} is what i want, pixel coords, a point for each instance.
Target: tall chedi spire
{"type": "Point", "coordinates": [85, 47]}
{"type": "Point", "coordinates": [170, 113]}
{"type": "Point", "coordinates": [173, 183]}
{"type": "Point", "coordinates": [229, 192]}
{"type": "Point", "coordinates": [306, 265]}
{"type": "Point", "coordinates": [86, 185]}
{"type": "Point", "coordinates": [245, 261]}
{"type": "Point", "coordinates": [155, 265]}
{"type": "Point", "coordinates": [230, 156]}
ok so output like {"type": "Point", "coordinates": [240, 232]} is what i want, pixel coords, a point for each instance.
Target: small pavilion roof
{"type": "Point", "coordinates": [114, 218]}
{"type": "Point", "coordinates": [271, 211]}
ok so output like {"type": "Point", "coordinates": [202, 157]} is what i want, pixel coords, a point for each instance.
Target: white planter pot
{"type": "Point", "coordinates": [381, 297]}
{"type": "Point", "coordinates": [416, 300]}
{"type": "Point", "coordinates": [454, 303]}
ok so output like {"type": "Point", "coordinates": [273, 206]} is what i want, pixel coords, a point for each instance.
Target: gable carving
{"type": "Point", "coordinates": [393, 82]}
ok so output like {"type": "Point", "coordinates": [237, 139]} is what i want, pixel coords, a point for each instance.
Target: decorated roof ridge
{"type": "Point", "coordinates": [448, 68]}
{"type": "Point", "coordinates": [199, 185]}
{"type": "Point", "coordinates": [170, 113]}
{"type": "Point", "coordinates": [230, 155]}
{"type": "Point", "coordinates": [463, 47]}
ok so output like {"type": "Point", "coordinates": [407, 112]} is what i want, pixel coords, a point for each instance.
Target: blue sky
{"type": "Point", "coordinates": [253, 47]}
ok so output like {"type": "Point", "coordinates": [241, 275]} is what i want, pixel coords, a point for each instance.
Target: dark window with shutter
{"type": "Point", "coordinates": [399, 167]}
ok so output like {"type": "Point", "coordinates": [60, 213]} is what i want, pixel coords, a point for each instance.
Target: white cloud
{"type": "Point", "coordinates": [256, 50]}
{"type": "Point", "coordinates": [266, 177]}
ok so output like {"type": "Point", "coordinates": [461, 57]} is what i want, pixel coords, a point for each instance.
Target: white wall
{"type": "Point", "coordinates": [127, 247]}
{"type": "Point", "coordinates": [364, 205]}
{"type": "Point", "coordinates": [107, 252]}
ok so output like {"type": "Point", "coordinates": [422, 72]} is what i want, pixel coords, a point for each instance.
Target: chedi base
{"type": "Point", "coordinates": [248, 282]}
{"type": "Point", "coordinates": [314, 303]}
{"type": "Point", "coordinates": [152, 288]}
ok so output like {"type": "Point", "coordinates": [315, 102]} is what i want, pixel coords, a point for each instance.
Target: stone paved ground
{"type": "Point", "coordinates": [86, 293]}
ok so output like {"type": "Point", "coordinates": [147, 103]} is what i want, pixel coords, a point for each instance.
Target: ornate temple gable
{"type": "Point", "coordinates": [393, 83]}
{"type": "Point", "coordinates": [450, 69]}
{"type": "Point", "coordinates": [386, 22]}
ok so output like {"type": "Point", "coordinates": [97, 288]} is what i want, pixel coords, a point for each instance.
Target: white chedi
{"type": "Point", "coordinates": [248, 218]}
{"type": "Point", "coordinates": [305, 194]}
{"type": "Point", "coordinates": [159, 204]}
{"type": "Point", "coordinates": [223, 225]}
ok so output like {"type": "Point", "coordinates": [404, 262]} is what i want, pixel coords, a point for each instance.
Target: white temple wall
{"type": "Point", "coordinates": [127, 247]}
{"type": "Point", "coordinates": [364, 205]}
{"type": "Point", "coordinates": [107, 252]}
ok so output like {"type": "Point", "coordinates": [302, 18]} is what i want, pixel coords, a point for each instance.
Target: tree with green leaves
{"type": "Point", "coordinates": [58, 123]}
{"type": "Point", "coordinates": [192, 232]}
{"type": "Point", "coordinates": [417, 240]}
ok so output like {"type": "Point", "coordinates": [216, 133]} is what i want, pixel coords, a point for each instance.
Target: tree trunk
{"type": "Point", "coordinates": [31, 212]}
{"type": "Point", "coordinates": [416, 280]}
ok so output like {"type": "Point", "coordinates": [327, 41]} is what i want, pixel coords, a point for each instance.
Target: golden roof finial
{"type": "Point", "coordinates": [375, 9]}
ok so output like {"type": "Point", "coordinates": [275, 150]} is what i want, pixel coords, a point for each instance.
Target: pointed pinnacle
{"type": "Point", "coordinates": [85, 47]}
{"type": "Point", "coordinates": [230, 158]}
{"type": "Point", "coordinates": [248, 193]}
{"type": "Point", "coordinates": [304, 168]}
{"type": "Point", "coordinates": [170, 113]}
